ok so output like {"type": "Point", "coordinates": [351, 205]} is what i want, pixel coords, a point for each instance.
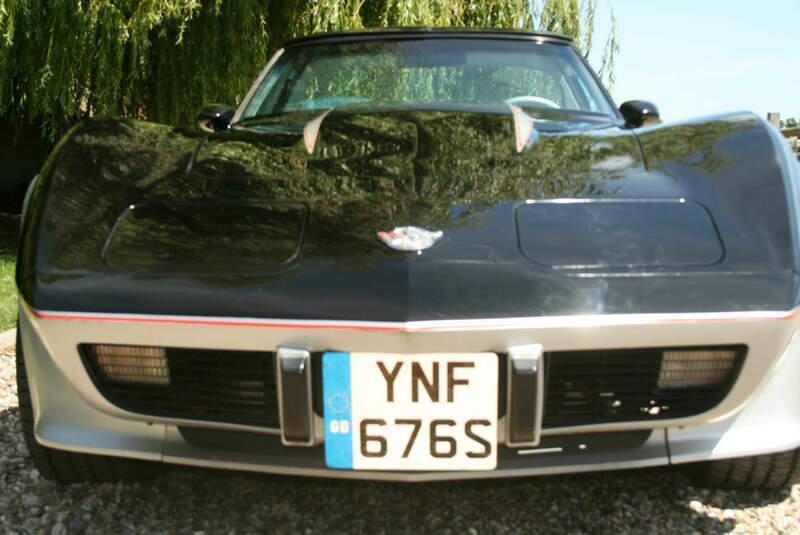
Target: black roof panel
{"type": "Point", "coordinates": [427, 32]}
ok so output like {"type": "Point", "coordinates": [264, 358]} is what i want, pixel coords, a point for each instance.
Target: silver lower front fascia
{"type": "Point", "coordinates": [70, 414]}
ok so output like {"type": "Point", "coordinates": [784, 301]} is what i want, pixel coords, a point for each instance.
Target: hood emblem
{"type": "Point", "coordinates": [410, 238]}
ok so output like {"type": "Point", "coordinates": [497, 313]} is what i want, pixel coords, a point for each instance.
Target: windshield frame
{"type": "Point", "coordinates": [403, 35]}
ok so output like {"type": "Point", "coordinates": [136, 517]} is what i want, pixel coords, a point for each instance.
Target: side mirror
{"type": "Point", "coordinates": [215, 118]}
{"type": "Point", "coordinates": [639, 113]}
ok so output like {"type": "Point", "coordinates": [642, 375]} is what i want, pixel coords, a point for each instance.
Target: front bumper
{"type": "Point", "coordinates": [761, 413]}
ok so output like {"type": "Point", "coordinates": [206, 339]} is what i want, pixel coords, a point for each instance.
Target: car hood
{"type": "Point", "coordinates": [259, 221]}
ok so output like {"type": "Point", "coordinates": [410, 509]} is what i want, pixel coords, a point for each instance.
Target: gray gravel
{"type": "Point", "coordinates": [203, 501]}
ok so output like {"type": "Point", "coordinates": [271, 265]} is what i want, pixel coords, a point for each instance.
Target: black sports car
{"type": "Point", "coordinates": [415, 255]}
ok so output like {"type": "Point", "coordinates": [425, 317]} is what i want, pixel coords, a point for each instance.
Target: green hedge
{"type": "Point", "coordinates": [9, 227]}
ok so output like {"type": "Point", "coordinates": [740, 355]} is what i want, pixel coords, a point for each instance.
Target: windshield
{"type": "Point", "coordinates": [442, 73]}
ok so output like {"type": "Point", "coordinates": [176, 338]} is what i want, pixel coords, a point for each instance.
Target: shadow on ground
{"type": "Point", "coordinates": [187, 500]}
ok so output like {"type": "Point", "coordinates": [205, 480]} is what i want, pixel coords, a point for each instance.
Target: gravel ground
{"type": "Point", "coordinates": [195, 501]}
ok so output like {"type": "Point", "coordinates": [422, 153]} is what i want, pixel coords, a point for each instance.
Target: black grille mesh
{"type": "Point", "coordinates": [592, 387]}
{"type": "Point", "coordinates": [221, 386]}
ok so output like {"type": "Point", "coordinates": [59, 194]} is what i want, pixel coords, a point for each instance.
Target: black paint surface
{"type": "Point", "coordinates": [454, 171]}
{"type": "Point", "coordinates": [645, 234]}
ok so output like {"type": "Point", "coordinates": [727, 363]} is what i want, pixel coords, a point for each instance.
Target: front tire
{"type": "Point", "coordinates": [770, 471]}
{"type": "Point", "coordinates": [67, 466]}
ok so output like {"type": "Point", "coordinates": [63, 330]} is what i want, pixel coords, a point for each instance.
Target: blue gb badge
{"type": "Point", "coordinates": [338, 415]}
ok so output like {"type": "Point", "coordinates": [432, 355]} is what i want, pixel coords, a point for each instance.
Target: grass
{"type": "Point", "coordinates": [9, 230]}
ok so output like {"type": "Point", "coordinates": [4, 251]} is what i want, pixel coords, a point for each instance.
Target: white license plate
{"type": "Point", "coordinates": [386, 411]}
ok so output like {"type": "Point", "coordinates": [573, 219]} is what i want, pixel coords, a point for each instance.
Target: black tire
{"type": "Point", "coordinates": [771, 471]}
{"type": "Point", "coordinates": [71, 467]}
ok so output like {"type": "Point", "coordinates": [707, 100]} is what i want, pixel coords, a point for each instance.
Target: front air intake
{"type": "Point", "coordinates": [624, 385]}
{"type": "Point", "coordinates": [235, 387]}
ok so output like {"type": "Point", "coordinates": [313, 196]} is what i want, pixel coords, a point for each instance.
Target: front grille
{"type": "Point", "coordinates": [593, 387]}
{"type": "Point", "coordinates": [212, 385]}
{"type": "Point", "coordinates": [582, 387]}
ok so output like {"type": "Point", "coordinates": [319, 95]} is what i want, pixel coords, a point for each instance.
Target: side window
{"type": "Point", "coordinates": [261, 102]}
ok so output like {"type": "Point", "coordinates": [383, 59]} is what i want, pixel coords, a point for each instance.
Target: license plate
{"type": "Point", "coordinates": [387, 411]}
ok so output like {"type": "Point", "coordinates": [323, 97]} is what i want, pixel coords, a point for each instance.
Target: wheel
{"type": "Point", "coordinates": [771, 471]}
{"type": "Point", "coordinates": [70, 467]}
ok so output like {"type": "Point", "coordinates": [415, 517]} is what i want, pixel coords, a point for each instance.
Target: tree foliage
{"type": "Point", "coordinates": [163, 59]}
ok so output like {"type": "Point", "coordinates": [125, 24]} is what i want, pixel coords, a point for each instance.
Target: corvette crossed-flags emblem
{"type": "Point", "coordinates": [410, 238]}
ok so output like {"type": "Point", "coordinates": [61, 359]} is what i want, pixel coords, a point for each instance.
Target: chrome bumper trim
{"type": "Point", "coordinates": [295, 408]}
{"type": "Point", "coordinates": [524, 395]}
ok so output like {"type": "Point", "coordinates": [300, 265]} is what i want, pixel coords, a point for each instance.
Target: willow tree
{"type": "Point", "coordinates": [162, 59]}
